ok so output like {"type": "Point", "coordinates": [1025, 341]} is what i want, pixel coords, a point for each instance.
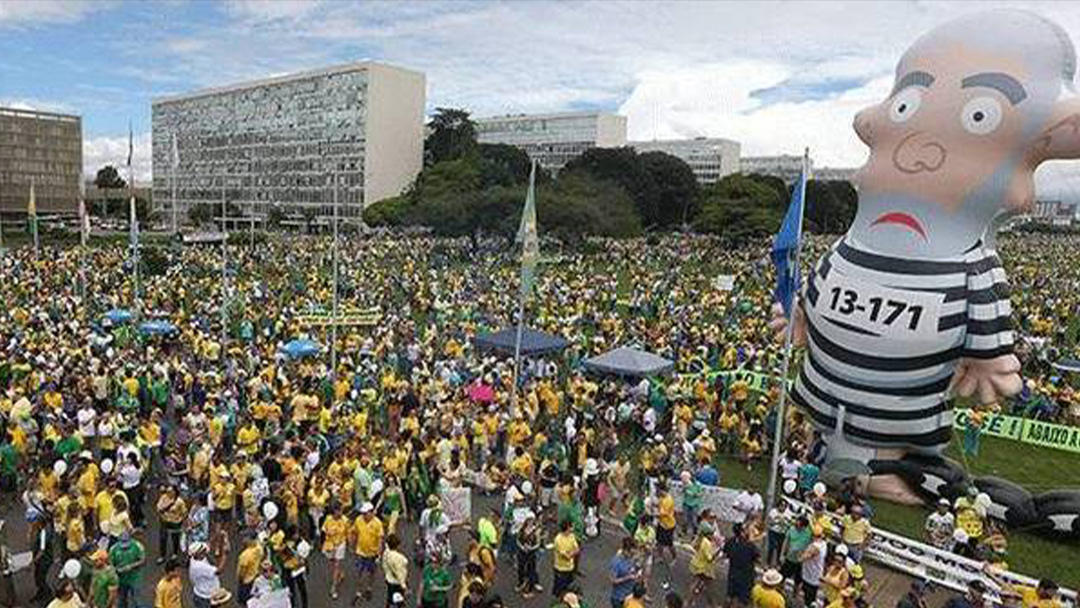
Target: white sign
{"type": "Point", "coordinates": [457, 504]}
{"type": "Point", "coordinates": [274, 599]}
{"type": "Point", "coordinates": [719, 501]}
{"type": "Point", "coordinates": [932, 564]}
{"type": "Point", "coordinates": [724, 282]}
{"type": "Point", "coordinates": [904, 314]}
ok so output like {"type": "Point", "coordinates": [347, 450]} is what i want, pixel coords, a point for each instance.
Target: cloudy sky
{"type": "Point", "coordinates": [776, 76]}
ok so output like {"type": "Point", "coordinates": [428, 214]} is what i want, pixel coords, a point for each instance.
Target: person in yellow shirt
{"type": "Point", "coordinates": [703, 563]}
{"type": "Point", "coordinates": [566, 551]}
{"type": "Point", "coordinates": [636, 599]}
{"type": "Point", "coordinates": [665, 529]}
{"type": "Point", "coordinates": [75, 534]}
{"type": "Point", "coordinates": [247, 568]}
{"type": "Point", "coordinates": [767, 594]}
{"type": "Point", "coordinates": [368, 534]}
{"type": "Point", "coordinates": [169, 590]}
{"type": "Point", "coordinates": [335, 530]}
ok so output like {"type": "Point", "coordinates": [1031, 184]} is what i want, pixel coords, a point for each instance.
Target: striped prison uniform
{"type": "Point", "coordinates": [887, 391]}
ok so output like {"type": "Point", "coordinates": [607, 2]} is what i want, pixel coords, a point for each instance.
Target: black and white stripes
{"type": "Point", "coordinates": [864, 368]}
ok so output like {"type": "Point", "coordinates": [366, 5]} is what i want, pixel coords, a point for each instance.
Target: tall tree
{"type": "Point", "coordinates": [677, 190]}
{"type": "Point", "coordinates": [739, 207]}
{"type": "Point", "coordinates": [108, 178]}
{"type": "Point", "coordinates": [452, 136]}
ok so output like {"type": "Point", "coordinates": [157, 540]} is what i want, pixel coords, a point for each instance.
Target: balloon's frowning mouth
{"type": "Point", "coordinates": [902, 219]}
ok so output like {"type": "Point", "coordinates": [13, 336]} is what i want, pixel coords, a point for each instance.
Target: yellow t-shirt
{"type": "Point", "coordinates": [765, 597]}
{"type": "Point", "coordinates": [666, 512]}
{"type": "Point", "coordinates": [248, 563]}
{"type": "Point", "coordinates": [633, 602]}
{"type": "Point", "coordinates": [168, 592]}
{"type": "Point", "coordinates": [701, 564]}
{"type": "Point", "coordinates": [566, 547]}
{"type": "Point", "coordinates": [335, 532]}
{"type": "Point", "coordinates": [369, 535]}
{"type": "Point", "coordinates": [1029, 598]}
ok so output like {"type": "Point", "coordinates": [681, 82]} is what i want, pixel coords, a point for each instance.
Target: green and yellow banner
{"type": "Point", "coordinates": [1024, 430]}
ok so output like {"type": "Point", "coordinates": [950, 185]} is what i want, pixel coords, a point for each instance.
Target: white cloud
{"type": "Point", "coordinates": [17, 13]}
{"type": "Point", "coordinates": [101, 151]}
{"type": "Point", "coordinates": [40, 105]}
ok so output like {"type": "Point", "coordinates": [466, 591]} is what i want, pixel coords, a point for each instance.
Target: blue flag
{"type": "Point", "coordinates": [786, 247]}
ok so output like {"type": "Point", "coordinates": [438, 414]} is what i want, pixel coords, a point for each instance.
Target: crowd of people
{"type": "Point", "coordinates": [241, 471]}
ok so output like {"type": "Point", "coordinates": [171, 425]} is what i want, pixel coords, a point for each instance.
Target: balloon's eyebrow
{"type": "Point", "coordinates": [917, 78]}
{"type": "Point", "coordinates": [1000, 82]}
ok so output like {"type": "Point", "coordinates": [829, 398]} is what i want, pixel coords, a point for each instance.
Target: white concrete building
{"type": "Point", "coordinates": [554, 139]}
{"type": "Point", "coordinates": [284, 140]}
{"type": "Point", "coordinates": [709, 158]}
{"type": "Point", "coordinates": [785, 166]}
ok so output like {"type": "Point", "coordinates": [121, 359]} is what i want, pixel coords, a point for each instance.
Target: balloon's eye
{"type": "Point", "coordinates": [905, 104]}
{"type": "Point", "coordinates": [981, 115]}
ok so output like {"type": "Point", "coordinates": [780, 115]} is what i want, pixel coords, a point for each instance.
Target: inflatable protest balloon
{"type": "Point", "coordinates": [911, 306]}
{"type": "Point", "coordinates": [270, 510]}
{"type": "Point", "coordinates": [72, 569]}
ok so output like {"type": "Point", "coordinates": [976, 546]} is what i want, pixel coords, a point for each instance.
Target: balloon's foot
{"type": "Point", "coordinates": [893, 489]}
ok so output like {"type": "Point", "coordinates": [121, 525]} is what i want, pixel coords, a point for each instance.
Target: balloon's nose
{"type": "Point", "coordinates": [919, 153]}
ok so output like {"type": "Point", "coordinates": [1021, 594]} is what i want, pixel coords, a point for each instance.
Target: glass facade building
{"type": "Point", "coordinates": [45, 149]}
{"type": "Point", "coordinates": [286, 141]}
{"type": "Point", "coordinates": [554, 139]}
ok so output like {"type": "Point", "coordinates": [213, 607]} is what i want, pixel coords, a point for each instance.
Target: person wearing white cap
{"type": "Point", "coordinates": [940, 525]}
{"type": "Point", "coordinates": [368, 534]}
{"type": "Point", "coordinates": [203, 574]}
{"type": "Point", "coordinates": [767, 594]}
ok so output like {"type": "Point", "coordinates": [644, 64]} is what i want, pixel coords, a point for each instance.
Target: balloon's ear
{"type": "Point", "coordinates": [1061, 137]}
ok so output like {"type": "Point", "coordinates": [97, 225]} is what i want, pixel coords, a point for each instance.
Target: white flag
{"type": "Point", "coordinates": [175, 153]}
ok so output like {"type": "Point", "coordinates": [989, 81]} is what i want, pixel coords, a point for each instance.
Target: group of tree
{"type": "Point", "coordinates": [468, 188]}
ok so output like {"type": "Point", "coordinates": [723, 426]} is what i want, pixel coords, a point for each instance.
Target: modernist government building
{"type": "Point", "coordinates": [287, 140]}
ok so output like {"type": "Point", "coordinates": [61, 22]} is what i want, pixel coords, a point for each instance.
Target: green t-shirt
{"type": "Point", "coordinates": [9, 459]}
{"type": "Point", "coordinates": [692, 495]}
{"type": "Point", "coordinates": [798, 540]}
{"type": "Point", "coordinates": [124, 554]}
{"type": "Point", "coordinates": [100, 583]}
{"type": "Point", "coordinates": [437, 584]}
{"type": "Point", "coordinates": [69, 445]}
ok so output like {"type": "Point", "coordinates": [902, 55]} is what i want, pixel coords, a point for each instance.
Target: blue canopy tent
{"type": "Point", "coordinates": [533, 343]}
{"type": "Point", "coordinates": [1068, 365]}
{"type": "Point", "coordinates": [157, 328]}
{"type": "Point", "coordinates": [630, 362]}
{"type": "Point", "coordinates": [119, 315]}
{"type": "Point", "coordinates": [298, 349]}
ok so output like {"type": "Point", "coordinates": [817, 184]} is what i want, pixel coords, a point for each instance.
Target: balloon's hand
{"type": "Point", "coordinates": [779, 323]}
{"type": "Point", "coordinates": [987, 380]}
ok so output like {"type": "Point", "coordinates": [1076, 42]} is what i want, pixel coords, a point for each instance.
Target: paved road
{"type": "Point", "coordinates": [886, 588]}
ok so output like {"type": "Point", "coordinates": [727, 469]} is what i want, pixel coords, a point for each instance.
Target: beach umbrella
{"type": "Point", "coordinates": [119, 315]}
{"type": "Point", "coordinates": [157, 328]}
{"type": "Point", "coordinates": [298, 349]}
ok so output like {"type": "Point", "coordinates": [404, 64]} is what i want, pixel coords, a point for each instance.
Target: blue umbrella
{"type": "Point", "coordinates": [119, 315]}
{"type": "Point", "coordinates": [298, 349]}
{"type": "Point", "coordinates": [158, 328]}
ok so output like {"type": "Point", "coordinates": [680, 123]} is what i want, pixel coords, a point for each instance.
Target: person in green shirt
{"type": "Point", "coordinates": [128, 557]}
{"type": "Point", "coordinates": [436, 584]}
{"type": "Point", "coordinates": [692, 499]}
{"type": "Point", "coordinates": [104, 582]}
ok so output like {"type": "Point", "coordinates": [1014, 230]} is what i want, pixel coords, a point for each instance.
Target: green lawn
{"type": "Point", "coordinates": [1037, 469]}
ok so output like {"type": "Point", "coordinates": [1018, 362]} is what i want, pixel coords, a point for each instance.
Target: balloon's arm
{"type": "Point", "coordinates": [779, 324]}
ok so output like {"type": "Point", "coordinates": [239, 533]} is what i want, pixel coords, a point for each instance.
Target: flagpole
{"type": "Point", "coordinates": [82, 241]}
{"type": "Point", "coordinates": [33, 220]}
{"type": "Point", "coordinates": [334, 321]}
{"type": "Point", "coordinates": [522, 292]}
{"type": "Point", "coordinates": [781, 410]}
{"type": "Point", "coordinates": [224, 267]}
{"type": "Point", "coordinates": [172, 178]}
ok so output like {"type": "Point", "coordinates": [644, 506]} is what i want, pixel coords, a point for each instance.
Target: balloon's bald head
{"type": "Point", "coordinates": [978, 103]}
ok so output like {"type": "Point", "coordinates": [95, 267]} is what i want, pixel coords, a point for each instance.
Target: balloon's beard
{"type": "Point", "coordinates": [905, 225]}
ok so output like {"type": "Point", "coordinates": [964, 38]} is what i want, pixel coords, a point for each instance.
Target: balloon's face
{"type": "Point", "coordinates": [951, 120]}
{"type": "Point", "coordinates": [977, 104]}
